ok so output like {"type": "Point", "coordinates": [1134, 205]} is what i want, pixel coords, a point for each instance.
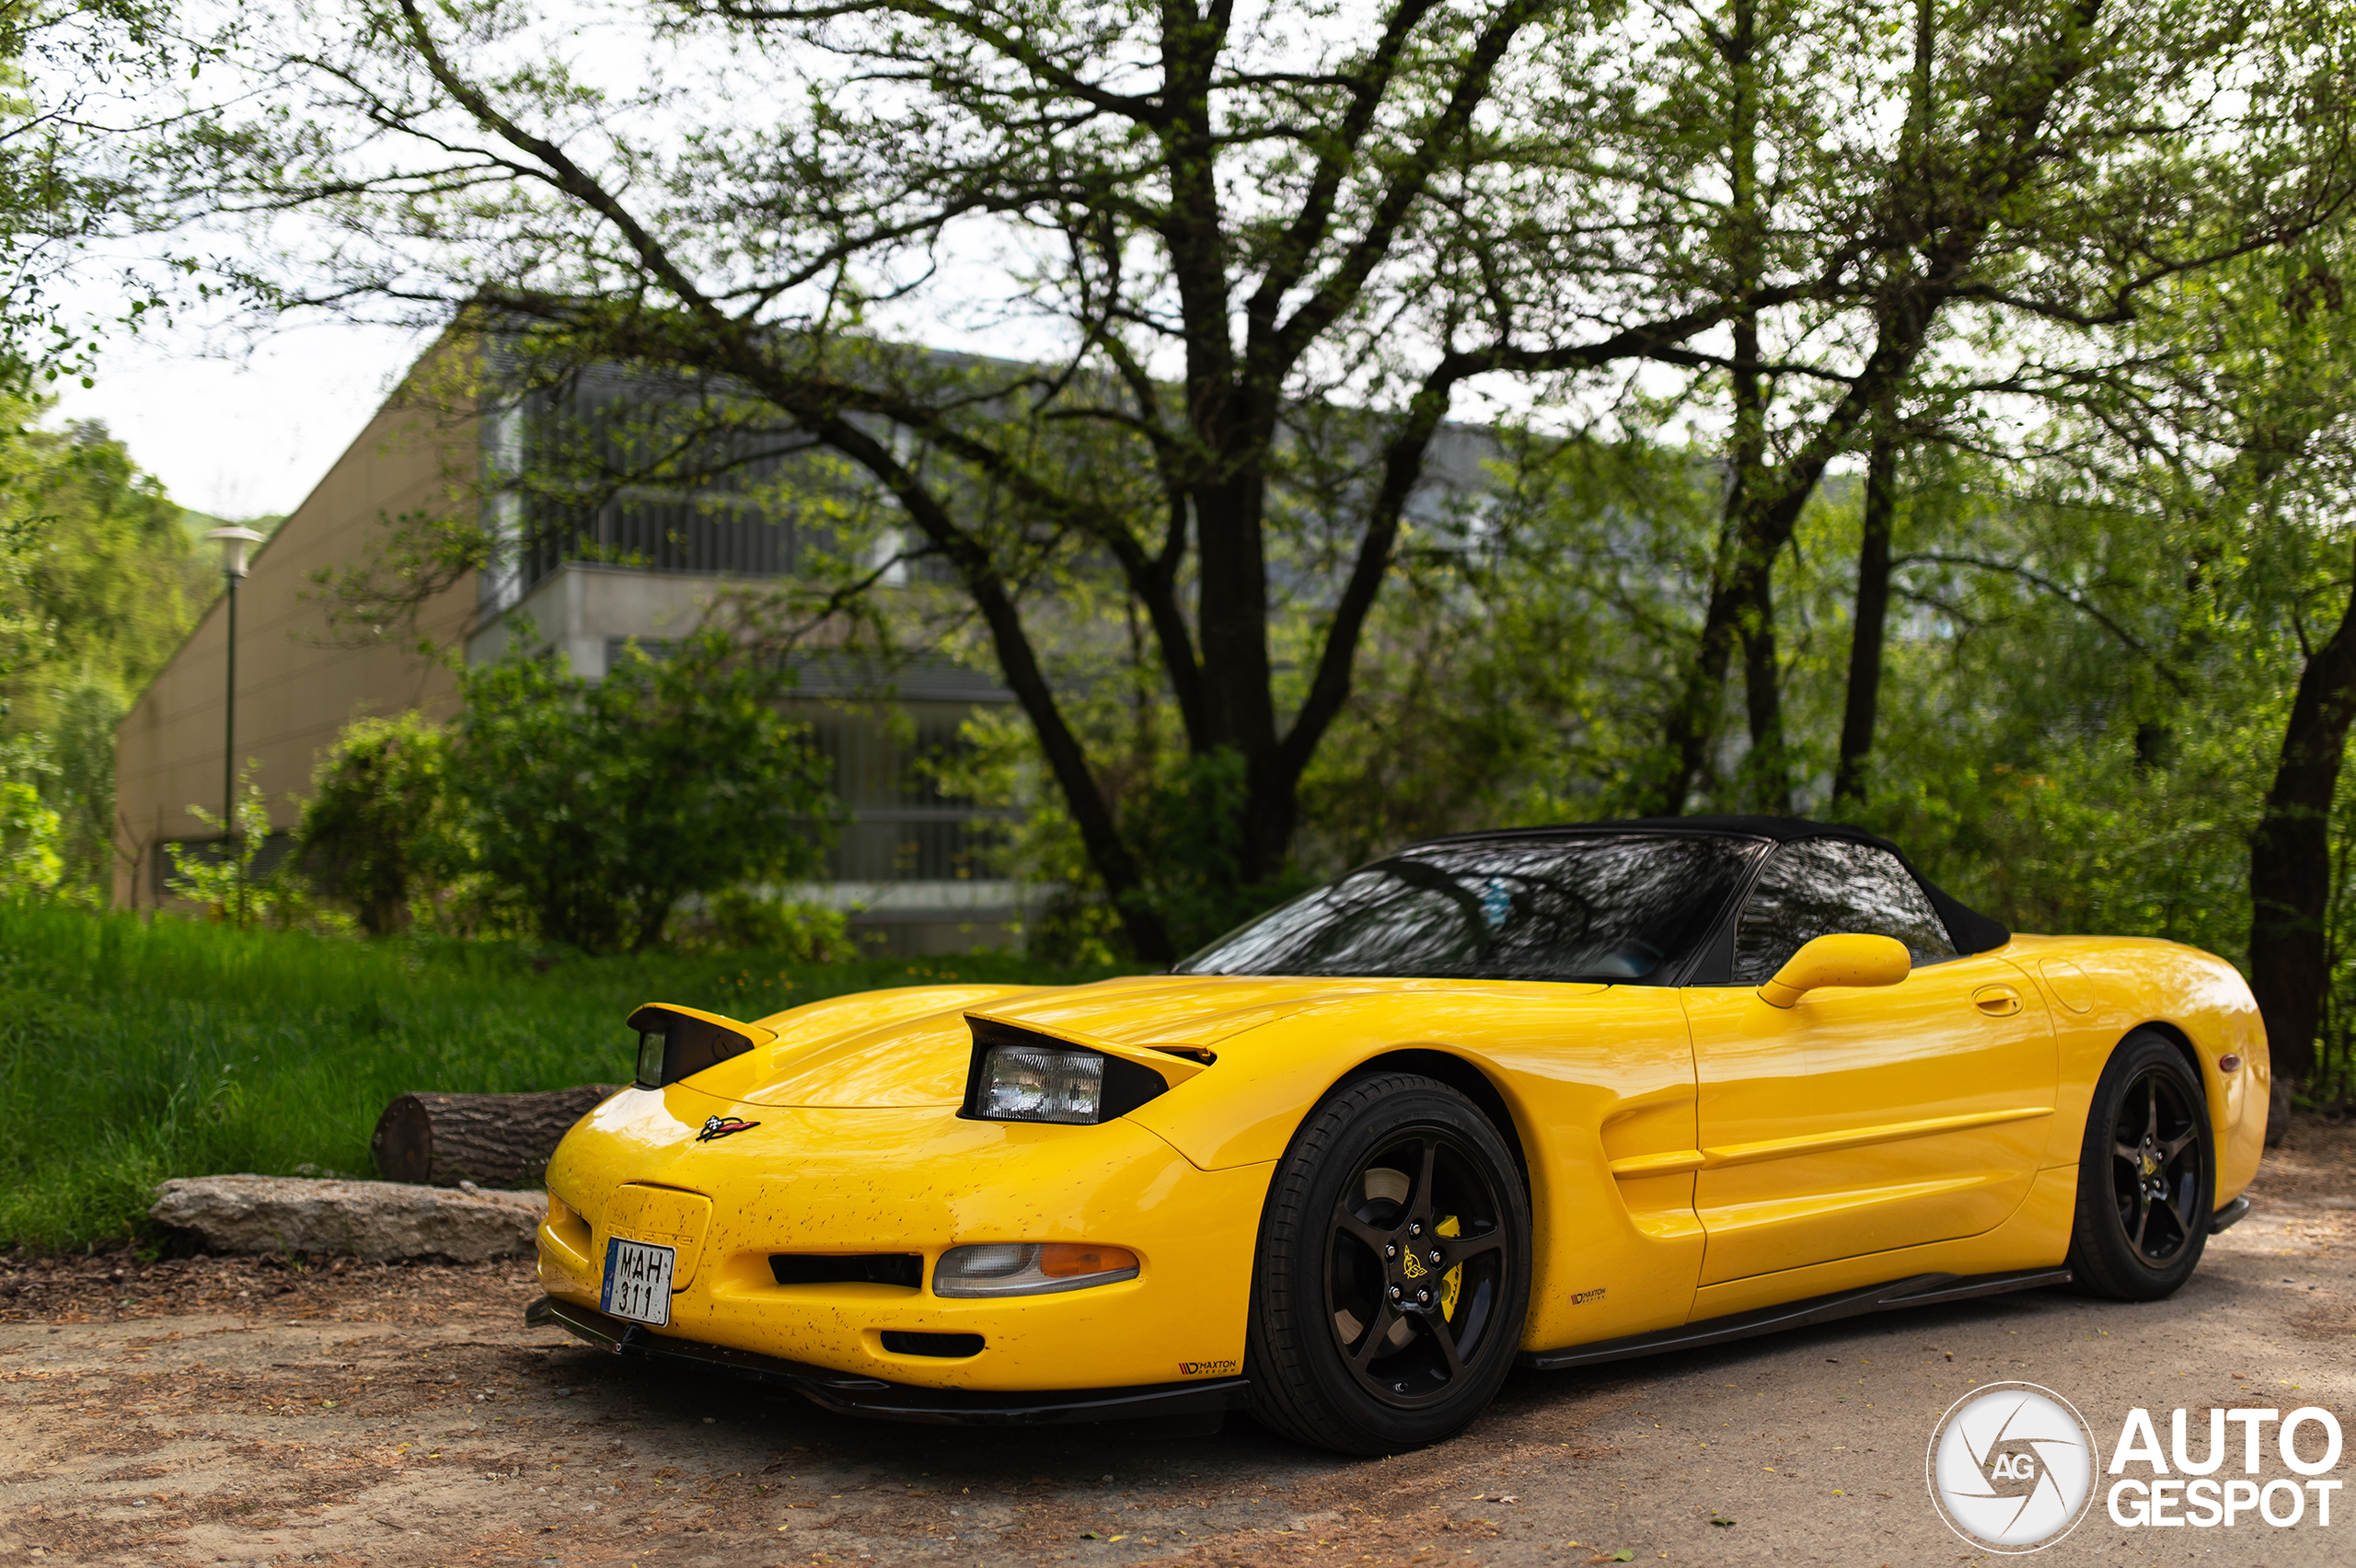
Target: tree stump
{"type": "Point", "coordinates": [492, 1140]}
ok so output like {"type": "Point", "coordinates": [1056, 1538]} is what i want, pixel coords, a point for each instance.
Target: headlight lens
{"type": "Point", "coordinates": [1030, 1268]}
{"type": "Point", "coordinates": [1038, 1083]}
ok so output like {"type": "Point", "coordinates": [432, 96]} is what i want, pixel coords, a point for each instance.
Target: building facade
{"type": "Point", "coordinates": [644, 563]}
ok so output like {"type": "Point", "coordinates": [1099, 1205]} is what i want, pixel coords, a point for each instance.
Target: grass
{"type": "Point", "coordinates": [132, 1051]}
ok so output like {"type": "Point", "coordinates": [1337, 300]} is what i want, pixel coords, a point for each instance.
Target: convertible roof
{"type": "Point", "coordinates": [1971, 931]}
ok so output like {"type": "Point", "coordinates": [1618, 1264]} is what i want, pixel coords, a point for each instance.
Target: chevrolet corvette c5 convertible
{"type": "Point", "coordinates": [1563, 1095]}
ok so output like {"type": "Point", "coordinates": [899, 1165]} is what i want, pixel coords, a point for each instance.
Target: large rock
{"type": "Point", "coordinates": [367, 1219]}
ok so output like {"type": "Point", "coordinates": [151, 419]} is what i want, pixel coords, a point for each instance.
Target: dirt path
{"type": "Point", "coordinates": [219, 1412]}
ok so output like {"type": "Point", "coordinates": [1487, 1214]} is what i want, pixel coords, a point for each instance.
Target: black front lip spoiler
{"type": "Point", "coordinates": [847, 1393]}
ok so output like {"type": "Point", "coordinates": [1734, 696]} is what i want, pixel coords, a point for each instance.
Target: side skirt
{"type": "Point", "coordinates": [1922, 1290]}
{"type": "Point", "coordinates": [2228, 1216]}
{"type": "Point", "coordinates": [1175, 1408]}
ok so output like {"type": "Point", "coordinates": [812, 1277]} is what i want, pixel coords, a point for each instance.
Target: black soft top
{"type": "Point", "coordinates": [1971, 930]}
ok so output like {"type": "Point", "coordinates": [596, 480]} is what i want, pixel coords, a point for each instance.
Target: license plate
{"type": "Point", "coordinates": [638, 1281]}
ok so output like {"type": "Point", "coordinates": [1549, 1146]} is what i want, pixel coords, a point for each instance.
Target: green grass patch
{"type": "Point", "coordinates": [132, 1051]}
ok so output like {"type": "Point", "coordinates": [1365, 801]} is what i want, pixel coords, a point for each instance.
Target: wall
{"type": "Point", "coordinates": [300, 681]}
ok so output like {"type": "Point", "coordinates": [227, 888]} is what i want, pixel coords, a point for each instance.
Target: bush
{"type": "Point", "coordinates": [375, 833]}
{"type": "Point", "coordinates": [29, 857]}
{"type": "Point", "coordinates": [603, 804]}
{"type": "Point", "coordinates": [741, 920]}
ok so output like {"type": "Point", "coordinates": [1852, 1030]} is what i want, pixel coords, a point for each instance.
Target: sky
{"type": "Point", "coordinates": [242, 431]}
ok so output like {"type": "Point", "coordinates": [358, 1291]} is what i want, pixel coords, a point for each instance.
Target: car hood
{"type": "Point", "coordinates": [912, 1046]}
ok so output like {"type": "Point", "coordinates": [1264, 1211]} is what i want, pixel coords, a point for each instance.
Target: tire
{"type": "Point", "coordinates": [1403, 1162]}
{"type": "Point", "coordinates": [2147, 1175]}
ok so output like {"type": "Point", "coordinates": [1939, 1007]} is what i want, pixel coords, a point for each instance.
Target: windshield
{"type": "Point", "coordinates": [1606, 907]}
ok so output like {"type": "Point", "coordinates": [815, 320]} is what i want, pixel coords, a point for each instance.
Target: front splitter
{"type": "Point", "coordinates": [848, 1393]}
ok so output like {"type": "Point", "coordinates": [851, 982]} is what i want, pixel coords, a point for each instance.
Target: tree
{"type": "Point", "coordinates": [105, 586]}
{"type": "Point", "coordinates": [1210, 232]}
{"type": "Point", "coordinates": [2051, 163]}
{"type": "Point", "coordinates": [602, 805]}
{"type": "Point", "coordinates": [2243, 415]}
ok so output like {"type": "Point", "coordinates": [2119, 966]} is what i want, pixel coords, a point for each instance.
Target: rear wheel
{"type": "Point", "coordinates": [1393, 1270]}
{"type": "Point", "coordinates": [2147, 1177]}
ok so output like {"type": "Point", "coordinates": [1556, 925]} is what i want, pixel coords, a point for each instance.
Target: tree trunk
{"type": "Point", "coordinates": [1850, 774]}
{"type": "Point", "coordinates": [1742, 608]}
{"type": "Point", "coordinates": [492, 1140]}
{"type": "Point", "coordinates": [1771, 775]}
{"type": "Point", "coordinates": [2290, 858]}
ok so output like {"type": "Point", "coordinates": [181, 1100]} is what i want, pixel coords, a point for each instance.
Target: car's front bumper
{"type": "Point", "coordinates": [851, 1394]}
{"type": "Point", "coordinates": [910, 1181]}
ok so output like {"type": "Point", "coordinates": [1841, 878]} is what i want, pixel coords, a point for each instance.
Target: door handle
{"type": "Point", "coordinates": [1997, 1001]}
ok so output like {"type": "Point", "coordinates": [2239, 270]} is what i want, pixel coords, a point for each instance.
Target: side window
{"type": "Point", "coordinates": [1814, 887]}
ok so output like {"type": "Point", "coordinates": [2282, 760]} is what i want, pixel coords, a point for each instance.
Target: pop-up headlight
{"type": "Point", "coordinates": [1038, 1083]}
{"type": "Point", "coordinates": [675, 1042]}
{"type": "Point", "coordinates": [1030, 1268]}
{"type": "Point", "coordinates": [1020, 1075]}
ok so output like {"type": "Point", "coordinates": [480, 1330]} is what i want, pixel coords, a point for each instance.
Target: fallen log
{"type": "Point", "coordinates": [492, 1140]}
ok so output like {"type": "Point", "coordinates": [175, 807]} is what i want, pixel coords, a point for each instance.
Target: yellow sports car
{"type": "Point", "coordinates": [1563, 1094]}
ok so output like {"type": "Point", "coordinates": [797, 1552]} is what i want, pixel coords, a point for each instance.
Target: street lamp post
{"type": "Point", "coordinates": [232, 541]}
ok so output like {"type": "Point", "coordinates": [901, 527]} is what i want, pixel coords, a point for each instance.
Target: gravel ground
{"type": "Point", "coordinates": [215, 1411]}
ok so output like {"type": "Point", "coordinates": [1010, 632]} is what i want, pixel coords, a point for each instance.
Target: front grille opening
{"type": "Point", "coordinates": [902, 1342]}
{"type": "Point", "coordinates": [905, 1269]}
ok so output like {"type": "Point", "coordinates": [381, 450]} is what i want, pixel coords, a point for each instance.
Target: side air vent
{"type": "Point", "coordinates": [903, 1268]}
{"type": "Point", "coordinates": [902, 1342]}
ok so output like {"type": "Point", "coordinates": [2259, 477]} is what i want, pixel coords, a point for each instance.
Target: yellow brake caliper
{"type": "Point", "coordinates": [1453, 1280]}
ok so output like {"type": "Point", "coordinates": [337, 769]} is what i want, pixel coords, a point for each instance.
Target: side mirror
{"type": "Point", "coordinates": [1846, 959]}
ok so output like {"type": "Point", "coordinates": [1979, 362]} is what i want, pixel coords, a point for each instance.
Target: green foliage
{"type": "Point", "coordinates": [1521, 661]}
{"type": "Point", "coordinates": [29, 857]}
{"type": "Point", "coordinates": [132, 1051]}
{"type": "Point", "coordinates": [739, 919]}
{"type": "Point", "coordinates": [601, 804]}
{"type": "Point", "coordinates": [375, 833]}
{"type": "Point", "coordinates": [98, 586]}
{"type": "Point", "coordinates": [1179, 810]}
{"type": "Point", "coordinates": [1187, 825]}
{"type": "Point", "coordinates": [220, 875]}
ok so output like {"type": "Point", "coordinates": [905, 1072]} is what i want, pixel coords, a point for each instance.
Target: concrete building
{"type": "Point", "coordinates": [643, 566]}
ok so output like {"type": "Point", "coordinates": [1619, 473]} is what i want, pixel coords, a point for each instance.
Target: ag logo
{"type": "Point", "coordinates": [2012, 1467]}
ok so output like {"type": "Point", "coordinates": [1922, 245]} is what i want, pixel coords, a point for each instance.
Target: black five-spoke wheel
{"type": "Point", "coordinates": [1394, 1268]}
{"type": "Point", "coordinates": [2156, 1160]}
{"type": "Point", "coordinates": [2147, 1179]}
{"type": "Point", "coordinates": [1416, 1267]}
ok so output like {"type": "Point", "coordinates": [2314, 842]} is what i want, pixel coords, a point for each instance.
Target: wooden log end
{"type": "Point", "coordinates": [403, 1142]}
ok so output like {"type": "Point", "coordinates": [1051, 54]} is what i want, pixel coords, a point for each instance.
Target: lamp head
{"type": "Point", "coordinates": [232, 541]}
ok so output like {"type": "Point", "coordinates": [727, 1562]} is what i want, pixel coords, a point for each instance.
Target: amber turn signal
{"type": "Point", "coordinates": [1063, 1259]}
{"type": "Point", "coordinates": [1030, 1268]}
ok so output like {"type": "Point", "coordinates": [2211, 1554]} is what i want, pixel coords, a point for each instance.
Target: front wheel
{"type": "Point", "coordinates": [1393, 1270]}
{"type": "Point", "coordinates": [2147, 1175]}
